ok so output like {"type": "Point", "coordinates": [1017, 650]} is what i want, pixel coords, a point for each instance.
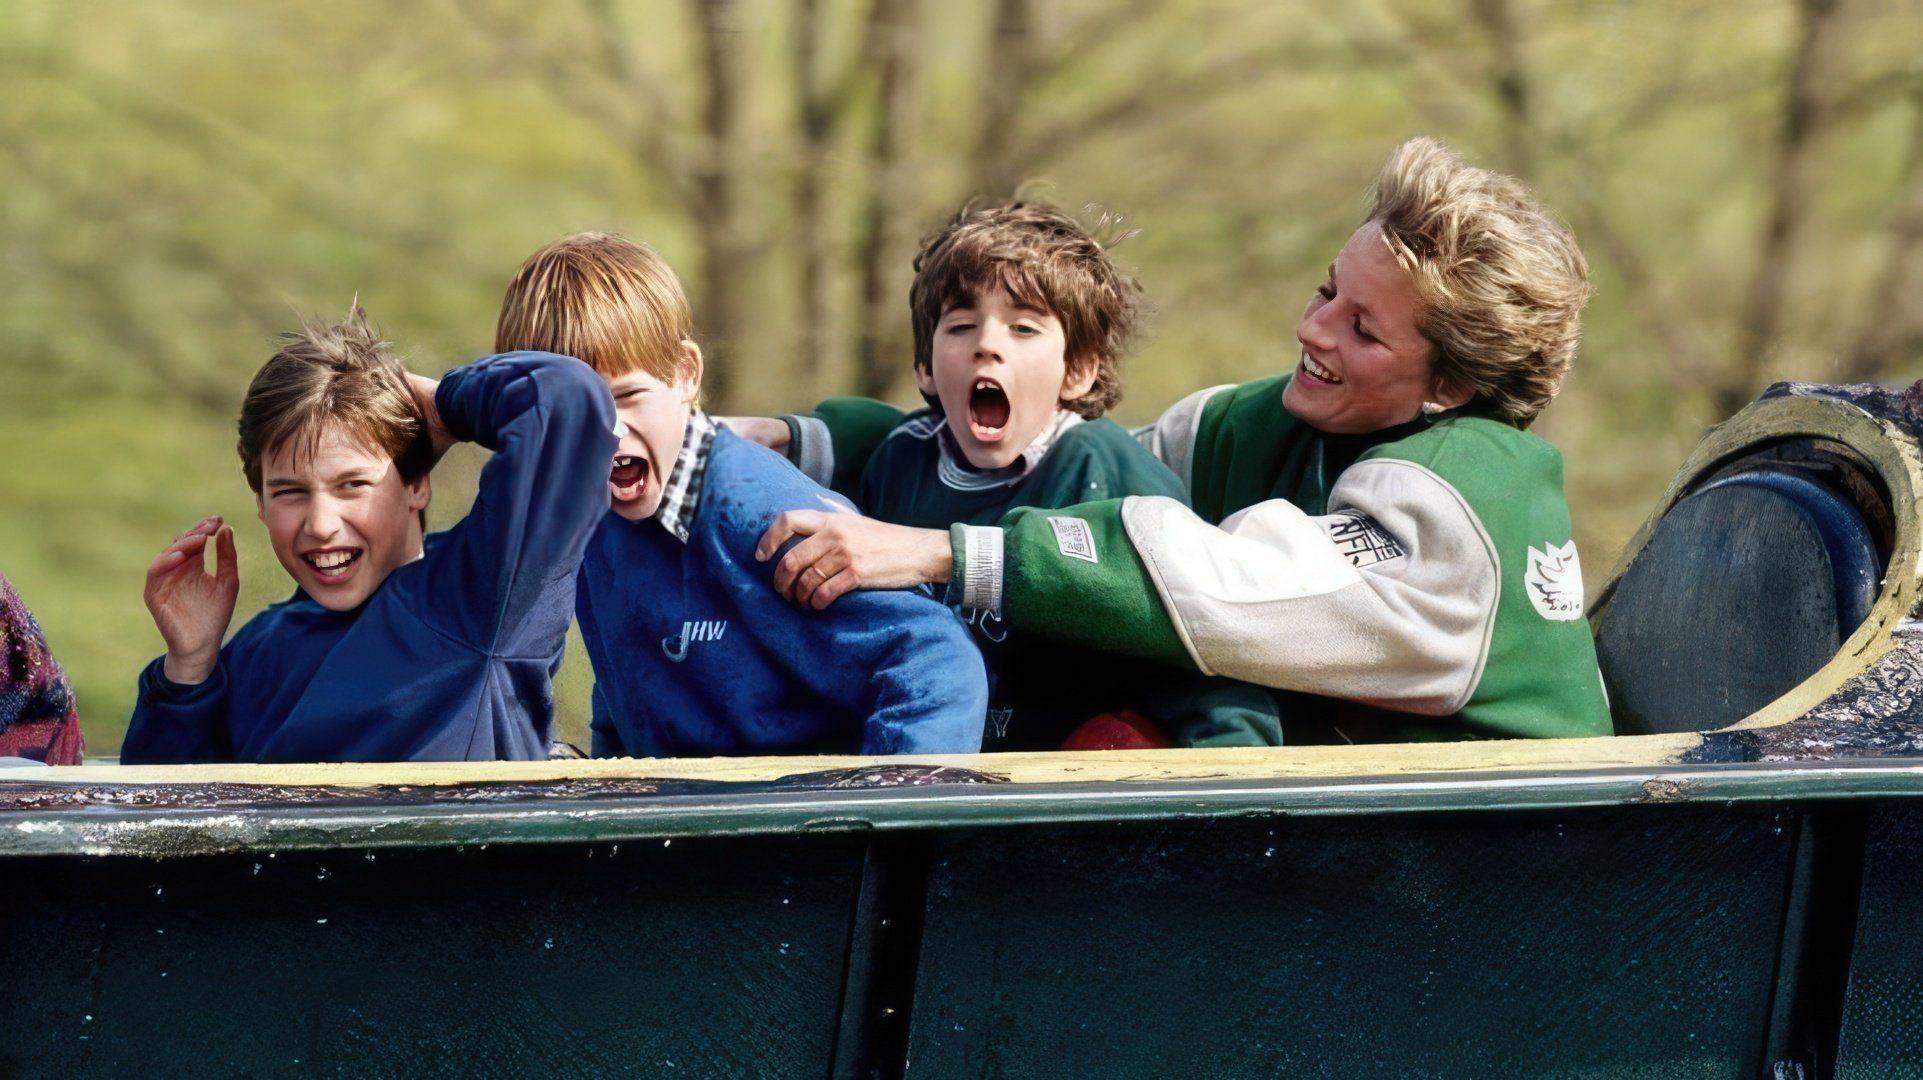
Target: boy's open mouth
{"type": "Point", "coordinates": [333, 565]}
{"type": "Point", "coordinates": [628, 477]}
{"type": "Point", "coordinates": [987, 410]}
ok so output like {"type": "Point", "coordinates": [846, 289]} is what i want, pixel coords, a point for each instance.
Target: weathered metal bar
{"type": "Point", "coordinates": [100, 823]}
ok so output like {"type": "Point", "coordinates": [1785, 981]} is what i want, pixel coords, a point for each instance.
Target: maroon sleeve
{"type": "Point", "coordinates": [38, 720]}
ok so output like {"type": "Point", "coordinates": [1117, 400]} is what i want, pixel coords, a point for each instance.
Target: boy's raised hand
{"type": "Point", "coordinates": [423, 389]}
{"type": "Point", "coordinates": [190, 606]}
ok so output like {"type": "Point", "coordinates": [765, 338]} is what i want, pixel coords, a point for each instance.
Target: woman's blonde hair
{"type": "Point", "coordinates": [1501, 284]}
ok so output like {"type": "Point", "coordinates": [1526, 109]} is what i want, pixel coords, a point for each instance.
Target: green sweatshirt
{"type": "Point", "coordinates": [1422, 580]}
{"type": "Point", "coordinates": [911, 473]}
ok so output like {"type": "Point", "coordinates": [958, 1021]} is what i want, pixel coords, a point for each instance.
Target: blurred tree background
{"type": "Point", "coordinates": [182, 181]}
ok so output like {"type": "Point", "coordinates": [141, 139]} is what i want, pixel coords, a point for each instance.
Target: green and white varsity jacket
{"type": "Point", "coordinates": [1423, 577]}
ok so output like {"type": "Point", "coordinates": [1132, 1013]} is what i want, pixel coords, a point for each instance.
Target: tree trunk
{"type": "Point", "coordinates": [1511, 82]}
{"type": "Point", "coordinates": [880, 358]}
{"type": "Point", "coordinates": [1762, 313]}
{"type": "Point", "coordinates": [1005, 75]}
{"type": "Point", "coordinates": [815, 117]}
{"type": "Point", "coordinates": [716, 202]}
{"type": "Point", "coordinates": [1893, 329]}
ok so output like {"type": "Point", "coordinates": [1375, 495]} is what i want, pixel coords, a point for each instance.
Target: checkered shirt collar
{"type": "Point", "coordinates": [683, 494]}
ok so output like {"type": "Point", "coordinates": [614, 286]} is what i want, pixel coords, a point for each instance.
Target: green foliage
{"type": "Point", "coordinates": [183, 180]}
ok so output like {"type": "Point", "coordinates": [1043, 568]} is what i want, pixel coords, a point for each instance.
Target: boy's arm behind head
{"type": "Point", "coordinates": [423, 390]}
{"type": "Point", "coordinates": [502, 579]}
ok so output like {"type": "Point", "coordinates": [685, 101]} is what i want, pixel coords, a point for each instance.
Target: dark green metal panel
{"type": "Point", "coordinates": [701, 958]}
{"type": "Point", "coordinates": [1602, 942]}
{"type": "Point", "coordinates": [1882, 1034]}
{"type": "Point", "coordinates": [1615, 922]}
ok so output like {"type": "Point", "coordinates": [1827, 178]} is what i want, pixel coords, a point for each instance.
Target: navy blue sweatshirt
{"type": "Point", "coordinates": [696, 654]}
{"type": "Point", "coordinates": [450, 659]}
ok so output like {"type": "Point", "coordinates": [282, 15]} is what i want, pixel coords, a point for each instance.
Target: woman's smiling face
{"type": "Point", "coordinates": [1365, 365]}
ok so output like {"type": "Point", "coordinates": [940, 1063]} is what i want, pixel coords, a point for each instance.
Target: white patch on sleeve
{"type": "Point", "coordinates": [1075, 539]}
{"type": "Point", "coordinates": [1553, 579]}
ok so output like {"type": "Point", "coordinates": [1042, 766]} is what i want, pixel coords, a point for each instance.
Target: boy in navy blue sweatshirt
{"type": "Point", "coordinates": [394, 646]}
{"type": "Point", "coordinates": [694, 653]}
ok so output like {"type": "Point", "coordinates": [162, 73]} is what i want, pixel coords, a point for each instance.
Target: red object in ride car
{"type": "Point", "coordinates": [1124, 729]}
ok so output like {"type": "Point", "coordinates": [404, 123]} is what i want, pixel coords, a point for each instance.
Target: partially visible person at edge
{"type": "Point", "coordinates": [1021, 320]}
{"type": "Point", "coordinates": [38, 721]}
{"type": "Point", "coordinates": [1376, 530]}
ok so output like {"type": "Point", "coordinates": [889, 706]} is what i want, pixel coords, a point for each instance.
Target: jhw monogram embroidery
{"type": "Point", "coordinates": [691, 632]}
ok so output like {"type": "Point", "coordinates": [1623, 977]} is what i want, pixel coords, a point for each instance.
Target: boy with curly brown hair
{"type": "Point", "coordinates": [1021, 320]}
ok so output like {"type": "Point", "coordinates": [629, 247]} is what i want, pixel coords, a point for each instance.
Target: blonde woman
{"type": "Point", "coordinates": [1375, 529]}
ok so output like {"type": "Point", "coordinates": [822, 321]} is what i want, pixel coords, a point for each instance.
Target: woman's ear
{"type": "Point", "coordinates": [1079, 379]}
{"type": "Point", "coordinates": [689, 372]}
{"type": "Point", "coordinates": [1450, 396]}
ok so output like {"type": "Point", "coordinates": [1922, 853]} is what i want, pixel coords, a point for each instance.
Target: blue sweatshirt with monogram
{"type": "Point", "coordinates": [696, 654]}
{"type": "Point", "coordinates": [450, 659]}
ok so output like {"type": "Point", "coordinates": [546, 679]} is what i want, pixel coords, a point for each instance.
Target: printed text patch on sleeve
{"type": "Point", "coordinates": [1362, 539]}
{"type": "Point", "coordinates": [1075, 539]}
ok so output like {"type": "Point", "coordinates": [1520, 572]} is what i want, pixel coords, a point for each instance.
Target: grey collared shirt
{"type": "Point", "coordinates": [955, 471]}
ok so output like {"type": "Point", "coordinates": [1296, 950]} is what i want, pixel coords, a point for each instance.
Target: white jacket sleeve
{"type": "Point", "coordinates": [1389, 599]}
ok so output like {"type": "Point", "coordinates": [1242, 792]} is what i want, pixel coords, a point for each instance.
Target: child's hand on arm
{"type": "Point", "coordinates": [190, 606]}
